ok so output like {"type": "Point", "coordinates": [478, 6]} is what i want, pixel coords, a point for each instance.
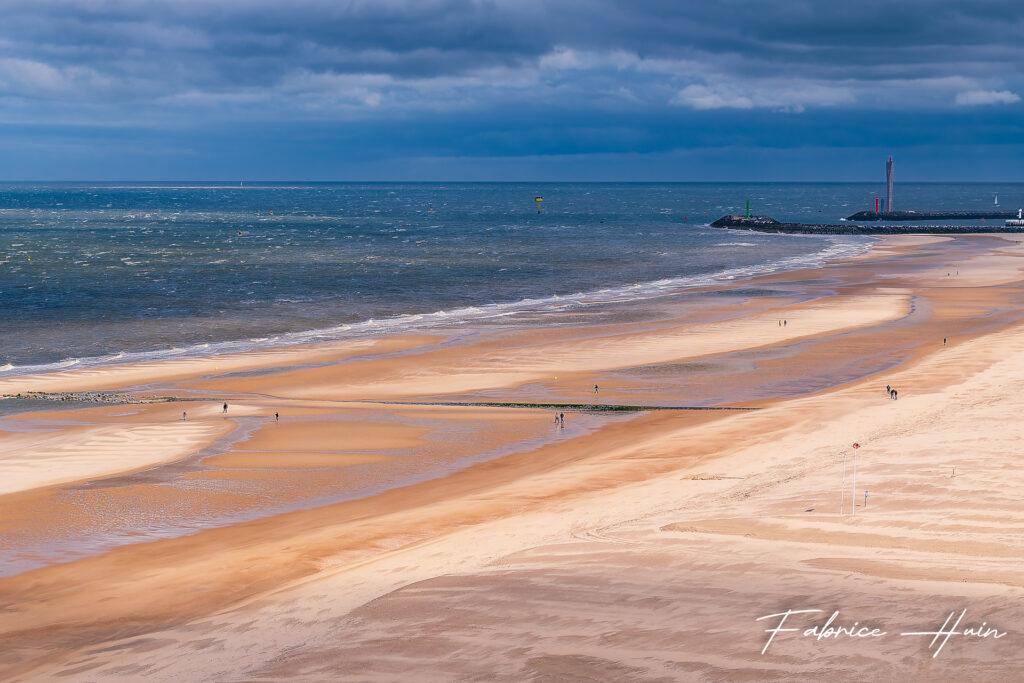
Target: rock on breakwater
{"type": "Point", "coordinates": [768, 224]}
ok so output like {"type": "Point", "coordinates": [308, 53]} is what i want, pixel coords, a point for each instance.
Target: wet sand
{"type": "Point", "coordinates": [490, 543]}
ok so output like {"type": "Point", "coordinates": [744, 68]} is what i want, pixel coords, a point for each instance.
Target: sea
{"type": "Point", "coordinates": [105, 273]}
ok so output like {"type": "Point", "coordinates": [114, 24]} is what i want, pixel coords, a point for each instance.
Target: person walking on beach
{"type": "Point", "coordinates": [888, 389]}
{"type": "Point", "coordinates": [595, 388]}
{"type": "Point", "coordinates": [184, 416]}
{"type": "Point", "coordinates": [943, 341]}
{"type": "Point", "coordinates": [277, 417]}
{"type": "Point", "coordinates": [225, 411]}
{"type": "Point", "coordinates": [561, 418]}
{"type": "Point", "coordinates": [556, 418]}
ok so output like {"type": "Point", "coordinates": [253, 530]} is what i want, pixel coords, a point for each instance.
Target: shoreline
{"type": "Point", "coordinates": [618, 472]}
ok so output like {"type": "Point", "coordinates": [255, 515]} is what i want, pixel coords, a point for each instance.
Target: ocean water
{"type": "Point", "coordinates": [107, 273]}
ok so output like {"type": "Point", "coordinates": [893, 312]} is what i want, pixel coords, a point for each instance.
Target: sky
{"type": "Point", "coordinates": [597, 90]}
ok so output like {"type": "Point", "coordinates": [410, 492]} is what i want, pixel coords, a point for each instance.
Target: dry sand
{"type": "Point", "coordinates": [641, 547]}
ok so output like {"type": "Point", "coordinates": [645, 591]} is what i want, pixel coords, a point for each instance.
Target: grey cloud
{"type": "Point", "coordinates": [974, 98]}
{"type": "Point", "coordinates": [312, 55]}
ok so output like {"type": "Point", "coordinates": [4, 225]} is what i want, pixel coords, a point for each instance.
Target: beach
{"type": "Point", "coordinates": [416, 507]}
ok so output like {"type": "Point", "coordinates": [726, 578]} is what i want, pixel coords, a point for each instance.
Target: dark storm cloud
{"type": "Point", "coordinates": [152, 49]}
{"type": "Point", "coordinates": [501, 78]}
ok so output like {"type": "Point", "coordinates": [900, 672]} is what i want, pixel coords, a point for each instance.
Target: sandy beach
{"type": "Point", "coordinates": [417, 507]}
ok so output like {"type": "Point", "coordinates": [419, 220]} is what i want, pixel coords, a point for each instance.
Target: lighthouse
{"type": "Point", "coordinates": [889, 166]}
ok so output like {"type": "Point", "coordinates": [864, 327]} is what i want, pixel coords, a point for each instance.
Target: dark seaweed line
{"type": "Point", "coordinates": [590, 407]}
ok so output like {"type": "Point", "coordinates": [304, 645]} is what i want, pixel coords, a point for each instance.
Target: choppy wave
{"type": "Point", "coordinates": [838, 248]}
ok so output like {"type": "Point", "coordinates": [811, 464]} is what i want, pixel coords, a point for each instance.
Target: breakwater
{"type": "Point", "coordinates": [930, 215]}
{"type": "Point", "coordinates": [767, 224]}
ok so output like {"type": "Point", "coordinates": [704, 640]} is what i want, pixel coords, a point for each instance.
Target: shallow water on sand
{"type": "Point", "coordinates": [186, 497]}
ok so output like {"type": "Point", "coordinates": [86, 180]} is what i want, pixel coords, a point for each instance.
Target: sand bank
{"type": "Point", "coordinates": [32, 460]}
{"type": "Point", "coordinates": [520, 360]}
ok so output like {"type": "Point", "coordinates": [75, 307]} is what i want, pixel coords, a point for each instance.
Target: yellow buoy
{"type": "Point", "coordinates": [538, 200]}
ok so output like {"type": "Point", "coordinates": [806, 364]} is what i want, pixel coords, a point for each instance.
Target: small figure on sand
{"type": "Point", "coordinates": [277, 417]}
{"type": "Point", "coordinates": [556, 418]}
{"type": "Point", "coordinates": [561, 418]}
{"type": "Point", "coordinates": [184, 416]}
{"type": "Point", "coordinates": [595, 388]}
{"type": "Point", "coordinates": [225, 411]}
{"type": "Point", "coordinates": [943, 341]}
{"type": "Point", "coordinates": [888, 390]}
{"type": "Point", "coordinates": [785, 322]}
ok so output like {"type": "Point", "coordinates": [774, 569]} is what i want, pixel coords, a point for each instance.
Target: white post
{"type": "Point", "coordinates": [842, 495]}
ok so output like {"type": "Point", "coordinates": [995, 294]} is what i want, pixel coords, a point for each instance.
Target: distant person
{"type": "Point", "coordinates": [943, 341]}
{"type": "Point", "coordinates": [184, 416]}
{"type": "Point", "coordinates": [888, 390]}
{"type": "Point", "coordinates": [895, 394]}
{"type": "Point", "coordinates": [561, 418]}
{"type": "Point", "coordinates": [785, 322]}
{"type": "Point", "coordinates": [595, 388]}
{"type": "Point", "coordinates": [225, 411]}
{"type": "Point", "coordinates": [556, 418]}
{"type": "Point", "coordinates": [277, 417]}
